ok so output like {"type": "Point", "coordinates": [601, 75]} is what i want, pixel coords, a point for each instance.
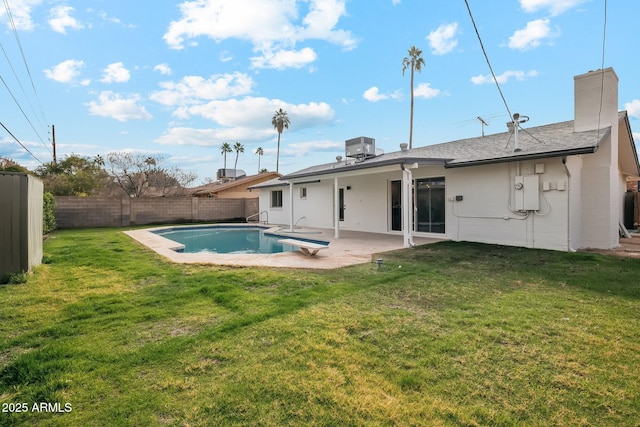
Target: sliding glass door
{"type": "Point", "coordinates": [430, 205]}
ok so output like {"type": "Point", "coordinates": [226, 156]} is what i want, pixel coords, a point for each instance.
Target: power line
{"type": "Point", "coordinates": [23, 113]}
{"type": "Point", "coordinates": [18, 141]}
{"type": "Point", "coordinates": [20, 83]}
{"type": "Point", "coordinates": [15, 33]}
{"type": "Point", "coordinates": [604, 38]}
{"type": "Point", "coordinates": [486, 58]}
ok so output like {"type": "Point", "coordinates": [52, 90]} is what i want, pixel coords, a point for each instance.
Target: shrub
{"type": "Point", "coordinates": [48, 215]}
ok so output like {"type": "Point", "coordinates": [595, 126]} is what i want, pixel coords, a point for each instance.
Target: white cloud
{"type": "Point", "coordinates": [247, 119]}
{"type": "Point", "coordinates": [300, 149]}
{"type": "Point", "coordinates": [113, 105]}
{"type": "Point", "coordinates": [532, 35]}
{"type": "Point", "coordinates": [225, 56]}
{"type": "Point", "coordinates": [373, 95]}
{"type": "Point", "coordinates": [284, 59]}
{"type": "Point", "coordinates": [60, 19]}
{"type": "Point", "coordinates": [394, 2]}
{"type": "Point", "coordinates": [21, 13]}
{"type": "Point", "coordinates": [66, 71]}
{"type": "Point", "coordinates": [442, 40]}
{"type": "Point", "coordinates": [116, 73]}
{"type": "Point", "coordinates": [212, 137]}
{"type": "Point", "coordinates": [196, 89]}
{"type": "Point", "coordinates": [555, 7]}
{"type": "Point", "coordinates": [504, 77]}
{"type": "Point", "coordinates": [163, 69]}
{"type": "Point", "coordinates": [270, 25]}
{"type": "Point", "coordinates": [633, 108]}
{"type": "Point", "coordinates": [256, 113]}
{"type": "Point", "coordinates": [424, 90]}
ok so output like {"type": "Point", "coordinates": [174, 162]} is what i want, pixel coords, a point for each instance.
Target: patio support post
{"type": "Point", "coordinates": [407, 207]}
{"type": "Point", "coordinates": [336, 208]}
{"type": "Point", "coordinates": [291, 218]}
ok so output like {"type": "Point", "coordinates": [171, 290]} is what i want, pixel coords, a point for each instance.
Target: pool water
{"type": "Point", "coordinates": [226, 240]}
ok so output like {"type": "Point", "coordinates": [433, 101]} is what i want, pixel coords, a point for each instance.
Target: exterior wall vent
{"type": "Point", "coordinates": [360, 148]}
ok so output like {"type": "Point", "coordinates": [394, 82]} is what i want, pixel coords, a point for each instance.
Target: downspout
{"type": "Point", "coordinates": [566, 168]}
{"type": "Point", "coordinates": [407, 208]}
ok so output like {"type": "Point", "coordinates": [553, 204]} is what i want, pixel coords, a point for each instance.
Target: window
{"type": "Point", "coordinates": [303, 192]}
{"type": "Point", "coordinates": [276, 199]}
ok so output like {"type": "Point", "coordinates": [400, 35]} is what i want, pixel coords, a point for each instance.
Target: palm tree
{"type": "Point", "coordinates": [224, 149]}
{"type": "Point", "coordinates": [415, 62]}
{"type": "Point", "coordinates": [260, 153]}
{"type": "Point", "coordinates": [280, 121]}
{"type": "Point", "coordinates": [238, 148]}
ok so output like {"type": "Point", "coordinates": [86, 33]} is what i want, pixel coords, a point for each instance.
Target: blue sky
{"type": "Point", "coordinates": [179, 78]}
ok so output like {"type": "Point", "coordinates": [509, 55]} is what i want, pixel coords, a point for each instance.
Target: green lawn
{"type": "Point", "coordinates": [446, 334]}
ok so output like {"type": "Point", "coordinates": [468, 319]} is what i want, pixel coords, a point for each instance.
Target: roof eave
{"type": "Point", "coordinates": [365, 165]}
{"type": "Point", "coordinates": [533, 156]}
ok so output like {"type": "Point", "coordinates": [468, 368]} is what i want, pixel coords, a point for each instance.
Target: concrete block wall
{"type": "Point", "coordinates": [85, 212]}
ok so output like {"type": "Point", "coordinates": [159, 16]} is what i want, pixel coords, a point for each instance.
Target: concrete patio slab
{"type": "Point", "coordinates": [351, 248]}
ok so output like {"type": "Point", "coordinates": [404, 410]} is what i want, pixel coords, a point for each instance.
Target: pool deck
{"type": "Point", "coordinates": [353, 247]}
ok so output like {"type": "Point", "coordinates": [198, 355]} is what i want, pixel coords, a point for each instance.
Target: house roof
{"type": "Point", "coordinates": [553, 140]}
{"type": "Point", "coordinates": [216, 187]}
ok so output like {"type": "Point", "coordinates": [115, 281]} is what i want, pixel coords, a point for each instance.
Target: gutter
{"type": "Point", "coordinates": [535, 156]}
{"type": "Point", "coordinates": [370, 165]}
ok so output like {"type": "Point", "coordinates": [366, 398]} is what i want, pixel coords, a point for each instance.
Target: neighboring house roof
{"type": "Point", "coordinates": [553, 140]}
{"type": "Point", "coordinates": [215, 188]}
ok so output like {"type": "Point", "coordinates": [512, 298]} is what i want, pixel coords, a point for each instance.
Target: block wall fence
{"type": "Point", "coordinates": [85, 212]}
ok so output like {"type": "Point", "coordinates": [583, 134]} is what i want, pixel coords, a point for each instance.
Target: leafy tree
{"type": "Point", "coordinates": [224, 149]}
{"type": "Point", "coordinates": [238, 148]}
{"type": "Point", "coordinates": [264, 170]}
{"type": "Point", "coordinates": [260, 153]}
{"type": "Point", "coordinates": [9, 165]}
{"type": "Point", "coordinates": [280, 121]}
{"type": "Point", "coordinates": [415, 62]}
{"type": "Point", "coordinates": [48, 213]}
{"type": "Point", "coordinates": [74, 176]}
{"type": "Point", "coordinates": [139, 174]}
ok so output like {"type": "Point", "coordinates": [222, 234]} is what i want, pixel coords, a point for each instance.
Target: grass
{"type": "Point", "coordinates": [449, 334]}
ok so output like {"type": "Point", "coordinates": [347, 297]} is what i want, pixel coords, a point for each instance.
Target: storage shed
{"type": "Point", "coordinates": [20, 222]}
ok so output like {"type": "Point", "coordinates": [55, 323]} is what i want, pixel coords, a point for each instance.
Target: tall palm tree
{"type": "Point", "coordinates": [260, 153]}
{"type": "Point", "coordinates": [280, 121]}
{"type": "Point", "coordinates": [415, 62]}
{"type": "Point", "coordinates": [224, 149]}
{"type": "Point", "coordinates": [238, 148]}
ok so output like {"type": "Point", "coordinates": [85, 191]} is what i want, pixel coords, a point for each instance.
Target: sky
{"type": "Point", "coordinates": [177, 79]}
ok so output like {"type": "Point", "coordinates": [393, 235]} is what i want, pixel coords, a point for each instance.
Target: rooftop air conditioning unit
{"type": "Point", "coordinates": [360, 148]}
{"type": "Point", "coordinates": [230, 173]}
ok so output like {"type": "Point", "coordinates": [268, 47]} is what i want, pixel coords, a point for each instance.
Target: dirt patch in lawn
{"type": "Point", "coordinates": [628, 248]}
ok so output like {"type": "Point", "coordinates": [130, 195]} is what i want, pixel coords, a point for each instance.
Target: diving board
{"type": "Point", "coordinates": [307, 248]}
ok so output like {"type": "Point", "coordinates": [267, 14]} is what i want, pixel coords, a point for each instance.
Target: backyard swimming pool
{"type": "Point", "coordinates": [226, 240]}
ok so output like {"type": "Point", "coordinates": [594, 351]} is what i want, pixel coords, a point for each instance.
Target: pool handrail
{"type": "Point", "coordinates": [258, 215]}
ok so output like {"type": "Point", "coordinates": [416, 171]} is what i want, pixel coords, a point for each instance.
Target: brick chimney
{"type": "Point", "coordinates": [589, 89]}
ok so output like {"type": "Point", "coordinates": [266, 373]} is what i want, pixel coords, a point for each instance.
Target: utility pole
{"type": "Point", "coordinates": [53, 142]}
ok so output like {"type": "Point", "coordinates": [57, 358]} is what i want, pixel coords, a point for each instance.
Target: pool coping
{"type": "Point", "coordinates": [351, 248]}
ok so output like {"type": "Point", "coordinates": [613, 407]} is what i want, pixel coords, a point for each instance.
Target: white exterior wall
{"type": "Point", "coordinates": [484, 215]}
{"type": "Point", "coordinates": [316, 208]}
{"type": "Point", "coordinates": [276, 215]}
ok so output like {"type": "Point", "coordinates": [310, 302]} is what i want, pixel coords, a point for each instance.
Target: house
{"type": "Point", "coordinates": [234, 189]}
{"type": "Point", "coordinates": [559, 186]}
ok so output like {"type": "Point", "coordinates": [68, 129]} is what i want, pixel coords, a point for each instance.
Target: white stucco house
{"type": "Point", "coordinates": [559, 186]}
